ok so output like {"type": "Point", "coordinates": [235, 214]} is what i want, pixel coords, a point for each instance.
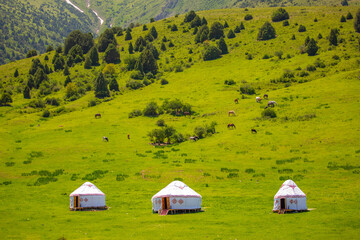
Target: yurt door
{"type": "Point", "coordinates": [282, 203]}
{"type": "Point", "coordinates": [165, 203]}
{"type": "Point", "coordinates": [76, 201]}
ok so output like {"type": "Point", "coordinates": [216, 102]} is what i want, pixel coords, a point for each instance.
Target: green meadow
{"type": "Point", "coordinates": [314, 139]}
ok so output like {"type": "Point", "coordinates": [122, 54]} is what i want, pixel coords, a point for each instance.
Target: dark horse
{"type": "Point", "coordinates": [105, 139]}
{"type": "Point", "coordinates": [98, 115]}
{"type": "Point", "coordinates": [231, 125]}
{"type": "Point", "coordinates": [236, 100]}
{"type": "Point", "coordinates": [266, 96]}
{"type": "Point", "coordinates": [194, 138]}
{"type": "Point", "coordinates": [253, 131]}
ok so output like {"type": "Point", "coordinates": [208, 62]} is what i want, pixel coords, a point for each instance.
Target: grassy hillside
{"type": "Point", "coordinates": [313, 140]}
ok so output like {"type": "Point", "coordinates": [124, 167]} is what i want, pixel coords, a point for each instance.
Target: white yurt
{"type": "Point", "coordinates": [176, 197]}
{"type": "Point", "coordinates": [87, 196]}
{"type": "Point", "coordinates": [289, 198]}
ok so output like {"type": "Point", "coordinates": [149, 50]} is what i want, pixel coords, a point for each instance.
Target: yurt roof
{"type": "Point", "coordinates": [289, 189]}
{"type": "Point", "coordinates": [177, 189]}
{"type": "Point", "coordinates": [87, 189]}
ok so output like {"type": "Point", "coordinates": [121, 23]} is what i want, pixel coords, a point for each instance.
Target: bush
{"type": "Point", "coordinates": [137, 75]}
{"type": "Point", "coordinates": [342, 19]}
{"type": "Point", "coordinates": [211, 53]}
{"type": "Point", "coordinates": [151, 110]}
{"type": "Point", "coordinates": [133, 84]}
{"type": "Point", "coordinates": [135, 113]}
{"type": "Point", "coordinates": [285, 23]}
{"type": "Point", "coordinates": [302, 28]}
{"type": "Point", "coordinates": [37, 103]}
{"type": "Point", "coordinates": [266, 32]}
{"type": "Point", "coordinates": [164, 81]}
{"type": "Point", "coordinates": [279, 15]}
{"type": "Point", "coordinates": [161, 123]}
{"type": "Point", "coordinates": [200, 131]}
{"type": "Point", "coordinates": [230, 82]}
{"type": "Point", "coordinates": [248, 17]}
{"type": "Point", "coordinates": [92, 103]}
{"type": "Point", "coordinates": [247, 89]}
{"type": "Point", "coordinates": [174, 28]}
{"type": "Point", "coordinates": [46, 113]}
{"type": "Point", "coordinates": [268, 113]}
{"type": "Point", "coordinates": [231, 34]}
{"type": "Point", "coordinates": [310, 68]}
{"type": "Point", "coordinates": [52, 101]}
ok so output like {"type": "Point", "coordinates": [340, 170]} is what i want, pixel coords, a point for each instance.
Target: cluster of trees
{"type": "Point", "coordinates": [165, 133]}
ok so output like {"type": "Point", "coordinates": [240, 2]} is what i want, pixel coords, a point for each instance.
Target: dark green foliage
{"type": "Point", "coordinates": [113, 85]}
{"type": "Point", "coordinates": [216, 31]}
{"type": "Point", "coordinates": [59, 49]}
{"type": "Point", "coordinates": [164, 39]}
{"type": "Point", "coordinates": [58, 63]}
{"type": "Point", "coordinates": [285, 23]}
{"type": "Point", "coordinates": [221, 44]}
{"type": "Point", "coordinates": [163, 47]}
{"type": "Point", "coordinates": [135, 113]}
{"type": "Point", "coordinates": [76, 53]}
{"type": "Point", "coordinates": [46, 113]}
{"type": "Point", "coordinates": [30, 82]}
{"type": "Point", "coordinates": [131, 62]}
{"type": "Point", "coordinates": [344, 3]}
{"type": "Point", "coordinates": [130, 48]}
{"type": "Point", "coordinates": [100, 86]}
{"type": "Point", "coordinates": [190, 16]}
{"type": "Point", "coordinates": [151, 110]}
{"type": "Point", "coordinates": [31, 53]}
{"type": "Point", "coordinates": [5, 99]}
{"type": "Point", "coordinates": [237, 29]}
{"type": "Point", "coordinates": [349, 16]}
{"type": "Point", "coordinates": [211, 53]}
{"type": "Point", "coordinates": [149, 37]}
{"type": "Point", "coordinates": [112, 55]}
{"type": "Point", "coordinates": [140, 43]}
{"type": "Point", "coordinates": [357, 21]}
{"type": "Point", "coordinates": [248, 17]}
{"type": "Point", "coordinates": [164, 81]}
{"type": "Point", "coordinates": [312, 47]}
{"type": "Point", "coordinates": [293, 37]}
{"type": "Point", "coordinates": [203, 21]}
{"type": "Point", "coordinates": [307, 40]}
{"type": "Point", "coordinates": [84, 40]}
{"type": "Point", "coordinates": [152, 20]}
{"type": "Point", "coordinates": [231, 34]}
{"type": "Point", "coordinates": [279, 14]}
{"type": "Point", "coordinates": [171, 44]}
{"type": "Point", "coordinates": [174, 28]}
{"type": "Point", "coordinates": [161, 123]}
{"type": "Point", "coordinates": [315, 20]}
{"type": "Point", "coordinates": [105, 39]}
{"type": "Point", "coordinates": [26, 92]}
{"type": "Point", "coordinates": [302, 28]}
{"type": "Point", "coordinates": [133, 84]}
{"type": "Point", "coordinates": [137, 75]}
{"type": "Point", "coordinates": [342, 19]}
{"type": "Point", "coordinates": [66, 70]}
{"type": "Point", "coordinates": [247, 89]}
{"type": "Point", "coordinates": [40, 77]}
{"type": "Point", "coordinates": [268, 113]}
{"type": "Point", "coordinates": [94, 56]}
{"type": "Point", "coordinates": [202, 34]}
{"type": "Point", "coordinates": [333, 37]}
{"type": "Point", "coordinates": [226, 25]}
{"type": "Point", "coordinates": [52, 101]}
{"type": "Point", "coordinates": [147, 61]}
{"type": "Point", "coordinates": [67, 81]}
{"type": "Point", "coordinates": [229, 82]}
{"type": "Point", "coordinates": [37, 103]}
{"type": "Point", "coordinates": [16, 73]}
{"type": "Point", "coordinates": [46, 58]}
{"type": "Point", "coordinates": [154, 32]}
{"type": "Point", "coordinates": [153, 50]}
{"type": "Point", "coordinates": [87, 64]}
{"type": "Point", "coordinates": [36, 64]}
{"type": "Point", "coordinates": [176, 107]}
{"type": "Point", "coordinates": [144, 27]}
{"type": "Point", "coordinates": [128, 35]}
{"type": "Point", "coordinates": [196, 22]}
{"type": "Point", "coordinates": [242, 27]}
{"type": "Point", "coordinates": [266, 32]}
{"type": "Point", "coordinates": [49, 48]}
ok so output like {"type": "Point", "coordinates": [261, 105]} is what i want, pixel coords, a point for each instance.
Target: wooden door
{"type": "Point", "coordinates": [76, 201]}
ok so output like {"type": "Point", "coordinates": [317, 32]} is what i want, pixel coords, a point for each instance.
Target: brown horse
{"type": "Point", "coordinates": [187, 113]}
{"type": "Point", "coordinates": [98, 115]}
{"type": "Point", "coordinates": [236, 100]}
{"type": "Point", "coordinates": [232, 112]}
{"type": "Point", "coordinates": [231, 125]}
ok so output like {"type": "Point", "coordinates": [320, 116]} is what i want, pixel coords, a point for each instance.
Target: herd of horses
{"type": "Point", "coordinates": [230, 113]}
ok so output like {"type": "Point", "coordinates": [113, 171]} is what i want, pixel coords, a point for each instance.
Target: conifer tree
{"type": "Point", "coordinates": [112, 55]}
{"type": "Point", "coordinates": [357, 21]}
{"type": "Point", "coordinates": [196, 22]}
{"type": "Point", "coordinates": [101, 88]}
{"type": "Point", "coordinates": [148, 62]}
{"type": "Point", "coordinates": [145, 27]}
{"type": "Point", "coordinates": [67, 81]}
{"type": "Point", "coordinates": [266, 32]}
{"type": "Point", "coordinates": [87, 64]}
{"type": "Point", "coordinates": [40, 77]}
{"type": "Point", "coordinates": [312, 47]}
{"type": "Point", "coordinates": [16, 73]}
{"type": "Point", "coordinates": [342, 19]}
{"type": "Point", "coordinates": [94, 56]}
{"type": "Point", "coordinates": [231, 34]}
{"type": "Point", "coordinates": [30, 82]}
{"type": "Point", "coordinates": [242, 27]}
{"type": "Point", "coordinates": [154, 32]}
{"type": "Point", "coordinates": [189, 16]}
{"type": "Point", "coordinates": [66, 71]}
{"type": "Point", "coordinates": [128, 35]}
{"type": "Point", "coordinates": [226, 25]}
{"type": "Point", "coordinates": [113, 85]}
{"type": "Point", "coordinates": [26, 92]}
{"type": "Point", "coordinates": [5, 99]}
{"type": "Point", "coordinates": [216, 31]}
{"type": "Point", "coordinates": [203, 21]}
{"type": "Point", "coordinates": [131, 48]}
{"type": "Point", "coordinates": [237, 29]}
{"type": "Point", "coordinates": [333, 37]}
{"type": "Point", "coordinates": [349, 16]}
{"type": "Point", "coordinates": [221, 44]}
{"type": "Point", "coordinates": [163, 47]}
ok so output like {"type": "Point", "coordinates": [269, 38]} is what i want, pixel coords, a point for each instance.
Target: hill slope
{"type": "Point", "coordinates": [313, 140]}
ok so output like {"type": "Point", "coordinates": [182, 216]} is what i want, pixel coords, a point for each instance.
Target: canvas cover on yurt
{"type": "Point", "coordinates": [87, 196]}
{"type": "Point", "coordinates": [290, 197]}
{"type": "Point", "coordinates": [176, 195]}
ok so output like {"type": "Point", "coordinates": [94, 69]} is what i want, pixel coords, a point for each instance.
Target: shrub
{"type": "Point", "coordinates": [310, 68]}
{"type": "Point", "coordinates": [161, 123]}
{"type": "Point", "coordinates": [137, 75]}
{"type": "Point", "coordinates": [200, 131]}
{"type": "Point", "coordinates": [302, 28]}
{"type": "Point", "coordinates": [52, 101]}
{"type": "Point", "coordinates": [312, 47]}
{"type": "Point", "coordinates": [151, 110]}
{"type": "Point", "coordinates": [279, 14]}
{"type": "Point", "coordinates": [92, 103]}
{"type": "Point", "coordinates": [46, 114]}
{"type": "Point", "coordinates": [247, 89]}
{"type": "Point", "coordinates": [221, 44]}
{"type": "Point", "coordinates": [266, 56]}
{"type": "Point", "coordinates": [174, 28]}
{"type": "Point", "coordinates": [231, 34]}
{"type": "Point", "coordinates": [268, 113]}
{"type": "Point", "coordinates": [211, 53]}
{"type": "Point", "coordinates": [37, 103]}
{"type": "Point", "coordinates": [190, 16]}
{"type": "Point", "coordinates": [285, 23]}
{"type": "Point", "coordinates": [133, 84]}
{"type": "Point", "coordinates": [164, 81]}
{"type": "Point", "coordinates": [349, 16]}
{"type": "Point", "coordinates": [135, 113]}
{"type": "Point", "coordinates": [146, 82]}
{"type": "Point", "coordinates": [230, 82]}
{"type": "Point", "coordinates": [248, 17]}
{"type": "Point", "coordinates": [216, 31]}
{"type": "Point", "coordinates": [266, 32]}
{"type": "Point", "coordinates": [342, 19]}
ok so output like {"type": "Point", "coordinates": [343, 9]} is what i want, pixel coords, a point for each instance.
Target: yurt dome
{"type": "Point", "coordinates": [289, 198]}
{"type": "Point", "coordinates": [176, 197]}
{"type": "Point", "coordinates": [87, 196]}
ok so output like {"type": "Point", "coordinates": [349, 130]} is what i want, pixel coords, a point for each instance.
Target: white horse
{"type": "Point", "coordinates": [271, 104]}
{"type": "Point", "coordinates": [258, 99]}
{"type": "Point", "coordinates": [105, 139]}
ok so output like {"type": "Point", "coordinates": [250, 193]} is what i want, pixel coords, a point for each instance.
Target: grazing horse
{"type": "Point", "coordinates": [194, 138]}
{"type": "Point", "coordinates": [105, 139]}
{"type": "Point", "coordinates": [236, 100]}
{"type": "Point", "coordinates": [253, 130]}
{"type": "Point", "coordinates": [231, 125]}
{"type": "Point", "coordinates": [187, 113]}
{"type": "Point", "coordinates": [266, 96]}
{"type": "Point", "coordinates": [258, 99]}
{"type": "Point", "coordinates": [271, 104]}
{"type": "Point", "coordinates": [98, 115]}
{"type": "Point", "coordinates": [232, 112]}
{"type": "Point", "coordinates": [128, 136]}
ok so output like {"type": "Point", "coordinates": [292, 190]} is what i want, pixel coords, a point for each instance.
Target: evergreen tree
{"type": "Point", "coordinates": [171, 44]}
{"type": "Point", "coordinates": [154, 32]}
{"type": "Point", "coordinates": [312, 47]}
{"type": "Point", "coordinates": [266, 32]}
{"type": "Point", "coordinates": [148, 62]}
{"type": "Point", "coordinates": [237, 29]}
{"type": "Point", "coordinates": [333, 37]}
{"type": "Point", "coordinates": [164, 39]}
{"type": "Point", "coordinates": [84, 40]}
{"type": "Point", "coordinates": [226, 25]}
{"type": "Point", "coordinates": [105, 39]}
{"type": "Point", "coordinates": [189, 16]}
{"type": "Point", "coordinates": [149, 37]}
{"type": "Point", "coordinates": [128, 35]}
{"type": "Point", "coordinates": [211, 53]}
{"type": "Point", "coordinates": [59, 64]}
{"type": "Point", "coordinates": [131, 48]}
{"type": "Point", "coordinates": [101, 89]}
{"type": "Point", "coordinates": [302, 28]}
{"type": "Point", "coordinates": [344, 3]}
{"type": "Point", "coordinates": [357, 21]}
{"type": "Point", "coordinates": [307, 40]}
{"type": "Point", "coordinates": [196, 22]}
{"type": "Point", "coordinates": [16, 73]}
{"type": "Point", "coordinates": [216, 31]}
{"type": "Point", "coordinates": [87, 64]}
{"type": "Point", "coordinates": [221, 44]}
{"type": "Point", "coordinates": [30, 82]}
{"type": "Point", "coordinates": [46, 58]}
{"type": "Point", "coordinates": [342, 19]}
{"type": "Point", "coordinates": [231, 34]}
{"type": "Point", "coordinates": [67, 81]}
{"type": "Point", "coordinates": [59, 49]}
{"type": "Point", "coordinates": [242, 27]}
{"type": "Point", "coordinates": [36, 64]}
{"type": "Point", "coordinates": [31, 53]}
{"type": "Point", "coordinates": [163, 47]}
{"type": "Point", "coordinates": [145, 27]}
{"type": "Point", "coordinates": [195, 30]}
{"type": "Point", "coordinates": [113, 85]}
{"type": "Point", "coordinates": [111, 54]}
{"type": "Point", "coordinates": [46, 69]}
{"type": "Point", "coordinates": [40, 77]}
{"type": "Point", "coordinates": [349, 16]}
{"type": "Point", "coordinates": [140, 42]}
{"type": "Point", "coordinates": [320, 36]}
{"type": "Point", "coordinates": [174, 28]}
{"type": "Point", "coordinates": [49, 48]}
{"type": "Point", "coordinates": [154, 50]}
{"type": "Point", "coordinates": [279, 15]}
{"type": "Point", "coordinates": [66, 71]}
{"type": "Point", "coordinates": [5, 99]}
{"type": "Point", "coordinates": [26, 92]}
{"type": "Point", "coordinates": [203, 21]}
{"type": "Point", "coordinates": [94, 56]}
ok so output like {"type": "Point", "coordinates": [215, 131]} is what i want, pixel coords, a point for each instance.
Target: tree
{"type": "Point", "coordinates": [312, 47]}
{"type": "Point", "coordinates": [266, 32]}
{"type": "Point", "coordinates": [36, 64]}
{"type": "Point", "coordinates": [221, 44]}
{"type": "Point", "coordinates": [237, 29]}
{"type": "Point", "coordinates": [216, 31]}
{"type": "Point", "coordinates": [231, 34]}
{"type": "Point", "coordinates": [163, 47]}
{"type": "Point", "coordinates": [84, 40]}
{"type": "Point", "coordinates": [248, 17]}
{"type": "Point", "coordinates": [148, 61]}
{"type": "Point", "coordinates": [149, 37]}
{"type": "Point", "coordinates": [111, 54]}
{"type": "Point", "coordinates": [59, 64]}
{"type": "Point", "coordinates": [30, 82]}
{"type": "Point", "coordinates": [154, 32]}
{"type": "Point", "coordinates": [174, 28]}
{"type": "Point", "coordinates": [101, 89]}
{"type": "Point", "coordinates": [307, 40]}
{"type": "Point", "coordinates": [16, 73]}
{"type": "Point", "coordinates": [349, 16]}
{"type": "Point", "coordinates": [87, 64]}
{"type": "Point", "coordinates": [76, 53]}
{"type": "Point", "coordinates": [202, 34]}
{"type": "Point", "coordinates": [151, 110]}
{"type": "Point", "coordinates": [140, 43]}
{"type": "Point", "coordinates": [66, 71]}
{"type": "Point", "coordinates": [59, 49]}
{"type": "Point", "coordinates": [357, 21]}
{"type": "Point", "coordinates": [342, 19]}
{"type": "Point", "coordinates": [26, 92]}
{"type": "Point", "coordinates": [152, 20]}
{"type": "Point", "coordinates": [171, 44]}
{"type": "Point", "coordinates": [203, 21]}
{"type": "Point", "coordinates": [67, 81]}
{"type": "Point", "coordinates": [5, 99]}
{"type": "Point", "coordinates": [279, 14]}
{"type": "Point", "coordinates": [145, 27]}
{"type": "Point", "coordinates": [154, 51]}
{"type": "Point", "coordinates": [94, 56]}
{"type": "Point", "coordinates": [40, 77]}
{"type": "Point", "coordinates": [49, 48]}
{"type": "Point", "coordinates": [131, 48]}
{"type": "Point", "coordinates": [189, 16]}
{"type": "Point", "coordinates": [128, 35]}
{"type": "Point", "coordinates": [211, 53]}
{"type": "Point", "coordinates": [105, 39]}
{"type": "Point", "coordinates": [196, 22]}
{"type": "Point", "coordinates": [113, 85]}
{"type": "Point", "coordinates": [226, 25]}
{"type": "Point", "coordinates": [242, 27]}
{"type": "Point", "coordinates": [302, 28]}
{"type": "Point", "coordinates": [344, 3]}
{"type": "Point", "coordinates": [31, 53]}
{"type": "Point", "coordinates": [333, 37]}
{"type": "Point", "coordinates": [72, 91]}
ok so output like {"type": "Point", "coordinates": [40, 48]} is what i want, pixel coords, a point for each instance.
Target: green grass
{"type": "Point", "coordinates": [317, 125]}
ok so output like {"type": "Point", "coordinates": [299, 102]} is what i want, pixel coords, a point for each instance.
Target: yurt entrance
{"type": "Point", "coordinates": [165, 203]}
{"type": "Point", "coordinates": [282, 203]}
{"type": "Point", "coordinates": [76, 201]}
